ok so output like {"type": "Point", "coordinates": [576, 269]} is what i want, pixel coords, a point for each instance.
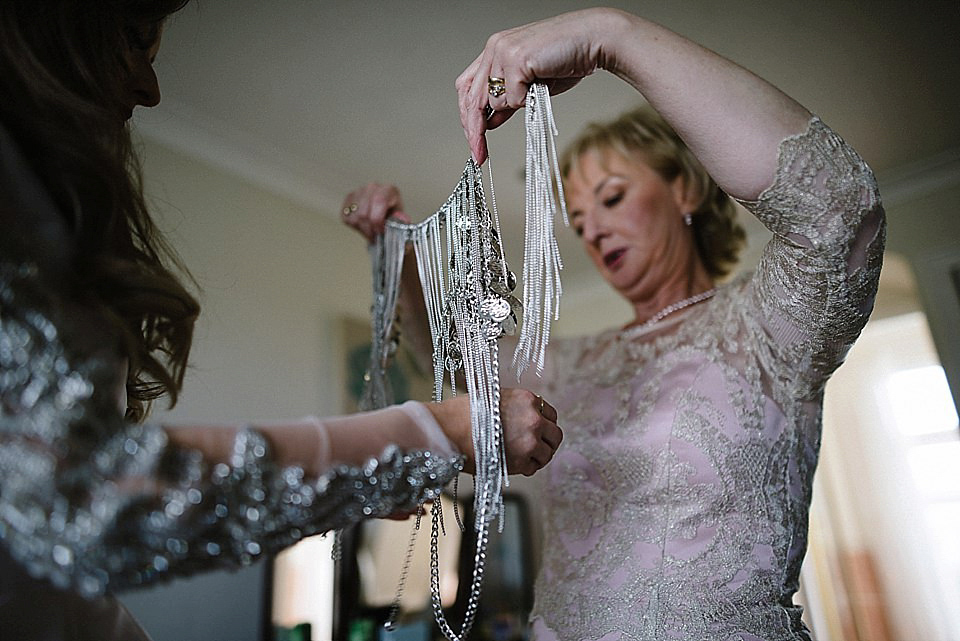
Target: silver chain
{"type": "Point", "coordinates": [404, 572]}
{"type": "Point", "coordinates": [467, 289]}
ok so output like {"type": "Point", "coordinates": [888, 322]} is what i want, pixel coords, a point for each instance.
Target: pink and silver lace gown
{"type": "Point", "coordinates": [677, 506]}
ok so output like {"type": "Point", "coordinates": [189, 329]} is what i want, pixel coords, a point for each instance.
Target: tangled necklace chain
{"type": "Point", "coordinates": [468, 294]}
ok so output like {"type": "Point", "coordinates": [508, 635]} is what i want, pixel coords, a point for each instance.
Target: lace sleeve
{"type": "Point", "coordinates": [817, 278]}
{"type": "Point", "coordinates": [95, 504]}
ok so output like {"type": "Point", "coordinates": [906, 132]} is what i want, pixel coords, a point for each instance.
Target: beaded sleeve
{"type": "Point", "coordinates": [817, 279]}
{"type": "Point", "coordinates": [95, 504]}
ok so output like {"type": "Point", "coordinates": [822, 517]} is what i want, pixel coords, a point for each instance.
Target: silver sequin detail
{"type": "Point", "coordinates": [94, 503]}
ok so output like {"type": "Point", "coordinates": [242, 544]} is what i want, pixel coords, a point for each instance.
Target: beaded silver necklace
{"type": "Point", "coordinates": [468, 293]}
{"type": "Point", "coordinates": [677, 306]}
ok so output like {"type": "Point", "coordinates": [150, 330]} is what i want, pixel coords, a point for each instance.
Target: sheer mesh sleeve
{"type": "Point", "coordinates": [94, 503]}
{"type": "Point", "coordinates": [817, 278]}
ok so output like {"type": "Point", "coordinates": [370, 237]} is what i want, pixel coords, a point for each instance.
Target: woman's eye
{"type": "Point", "coordinates": [141, 38]}
{"type": "Point", "coordinates": [612, 200]}
{"type": "Point", "coordinates": [576, 222]}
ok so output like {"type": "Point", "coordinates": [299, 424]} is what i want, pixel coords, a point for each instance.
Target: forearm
{"type": "Point", "coordinates": [412, 312]}
{"type": "Point", "coordinates": [731, 119]}
{"type": "Point", "coordinates": [294, 443]}
{"type": "Point", "coordinates": [316, 444]}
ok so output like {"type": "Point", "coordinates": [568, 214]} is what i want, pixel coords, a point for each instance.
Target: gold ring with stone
{"type": "Point", "coordinates": [349, 209]}
{"type": "Point", "coordinates": [496, 86]}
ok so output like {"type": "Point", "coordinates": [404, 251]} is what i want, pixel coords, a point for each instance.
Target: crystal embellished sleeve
{"type": "Point", "coordinates": [817, 279]}
{"type": "Point", "coordinates": [96, 504]}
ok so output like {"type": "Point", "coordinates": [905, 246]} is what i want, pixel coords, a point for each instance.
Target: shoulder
{"type": "Point", "coordinates": [732, 295]}
{"type": "Point", "coordinates": [34, 229]}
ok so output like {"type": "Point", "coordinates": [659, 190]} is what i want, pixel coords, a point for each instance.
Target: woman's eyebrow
{"type": "Point", "coordinates": [602, 183]}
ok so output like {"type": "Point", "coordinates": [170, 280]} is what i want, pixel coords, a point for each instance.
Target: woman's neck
{"type": "Point", "coordinates": [678, 292]}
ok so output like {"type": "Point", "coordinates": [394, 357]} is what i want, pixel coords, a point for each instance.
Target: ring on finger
{"type": "Point", "coordinates": [496, 86]}
{"type": "Point", "coordinates": [540, 408]}
{"type": "Point", "coordinates": [349, 209]}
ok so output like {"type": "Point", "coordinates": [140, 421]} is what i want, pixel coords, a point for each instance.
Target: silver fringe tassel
{"type": "Point", "coordinates": [541, 258]}
{"type": "Point", "coordinates": [467, 290]}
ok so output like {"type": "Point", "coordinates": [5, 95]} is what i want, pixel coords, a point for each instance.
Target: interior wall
{"type": "Point", "coordinates": [275, 280]}
{"type": "Point", "coordinates": [890, 580]}
{"type": "Point", "coordinates": [925, 228]}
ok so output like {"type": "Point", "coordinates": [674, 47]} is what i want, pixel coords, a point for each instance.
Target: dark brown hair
{"type": "Point", "coordinates": [643, 135]}
{"type": "Point", "coordinates": [63, 73]}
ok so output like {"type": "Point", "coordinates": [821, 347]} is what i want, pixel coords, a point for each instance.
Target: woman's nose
{"type": "Point", "coordinates": [146, 90]}
{"type": "Point", "coordinates": [592, 229]}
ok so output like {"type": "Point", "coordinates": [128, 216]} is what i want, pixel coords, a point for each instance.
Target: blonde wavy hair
{"type": "Point", "coordinates": [642, 135]}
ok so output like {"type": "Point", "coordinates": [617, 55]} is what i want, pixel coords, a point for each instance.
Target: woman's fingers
{"type": "Point", "coordinates": [367, 209]}
{"type": "Point", "coordinates": [473, 111]}
{"type": "Point", "coordinates": [546, 410]}
{"type": "Point", "coordinates": [531, 433]}
{"type": "Point", "coordinates": [497, 118]}
{"type": "Point", "coordinates": [487, 97]}
{"type": "Point", "coordinates": [353, 212]}
{"type": "Point", "coordinates": [539, 457]}
{"type": "Point", "coordinates": [559, 51]}
{"type": "Point", "coordinates": [552, 436]}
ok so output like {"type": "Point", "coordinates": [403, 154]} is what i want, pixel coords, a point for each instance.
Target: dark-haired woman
{"type": "Point", "coordinates": [95, 324]}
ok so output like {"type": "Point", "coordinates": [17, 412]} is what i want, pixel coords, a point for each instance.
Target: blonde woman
{"type": "Point", "coordinates": [677, 507]}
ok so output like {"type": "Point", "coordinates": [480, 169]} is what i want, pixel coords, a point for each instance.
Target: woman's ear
{"type": "Point", "coordinates": [685, 194]}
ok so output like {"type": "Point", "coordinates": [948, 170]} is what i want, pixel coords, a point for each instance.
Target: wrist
{"type": "Point", "coordinates": [627, 46]}
{"type": "Point", "coordinates": [615, 29]}
{"type": "Point", "coordinates": [453, 417]}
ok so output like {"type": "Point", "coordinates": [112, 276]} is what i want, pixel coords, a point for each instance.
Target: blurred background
{"type": "Point", "coordinates": [273, 112]}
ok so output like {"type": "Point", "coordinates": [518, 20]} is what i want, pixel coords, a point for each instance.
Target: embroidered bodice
{"type": "Point", "coordinates": [677, 506]}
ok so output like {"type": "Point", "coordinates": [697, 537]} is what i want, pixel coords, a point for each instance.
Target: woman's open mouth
{"type": "Point", "coordinates": [614, 259]}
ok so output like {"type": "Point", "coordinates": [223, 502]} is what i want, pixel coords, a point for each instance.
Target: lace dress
{"type": "Point", "coordinates": [677, 506]}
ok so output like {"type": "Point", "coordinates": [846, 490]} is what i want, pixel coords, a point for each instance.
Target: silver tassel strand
{"type": "Point", "coordinates": [541, 259]}
{"type": "Point", "coordinates": [467, 290]}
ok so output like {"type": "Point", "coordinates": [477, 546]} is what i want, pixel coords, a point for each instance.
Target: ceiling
{"type": "Point", "coordinates": [312, 98]}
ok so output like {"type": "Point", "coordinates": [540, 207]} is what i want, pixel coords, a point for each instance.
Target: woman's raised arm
{"type": "Point", "coordinates": [731, 119]}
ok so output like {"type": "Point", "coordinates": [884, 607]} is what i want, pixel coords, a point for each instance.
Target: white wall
{"type": "Point", "coordinates": [870, 495]}
{"type": "Point", "coordinates": [275, 278]}
{"type": "Point", "coordinates": [924, 225]}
